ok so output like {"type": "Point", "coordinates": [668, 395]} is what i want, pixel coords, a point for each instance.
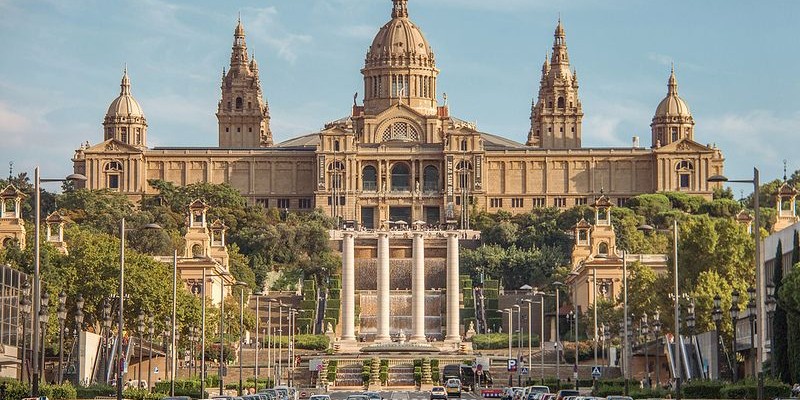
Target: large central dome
{"type": "Point", "coordinates": [400, 66]}
{"type": "Point", "coordinates": [400, 42]}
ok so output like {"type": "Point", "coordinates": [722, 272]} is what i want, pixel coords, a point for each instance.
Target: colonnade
{"type": "Point", "coordinates": [384, 290]}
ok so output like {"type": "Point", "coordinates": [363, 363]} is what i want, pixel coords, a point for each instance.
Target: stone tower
{"type": "Point", "coordinates": [12, 225]}
{"type": "Point", "coordinates": [243, 114]}
{"type": "Point", "coordinates": [673, 121]}
{"type": "Point", "coordinates": [400, 67]}
{"type": "Point", "coordinates": [557, 114]}
{"type": "Point", "coordinates": [124, 120]}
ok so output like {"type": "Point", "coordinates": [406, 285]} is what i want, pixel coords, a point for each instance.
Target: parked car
{"type": "Point", "coordinates": [373, 395]}
{"type": "Point", "coordinates": [563, 394]}
{"type": "Point", "coordinates": [357, 397]}
{"type": "Point", "coordinates": [320, 397]}
{"type": "Point", "coordinates": [438, 393]}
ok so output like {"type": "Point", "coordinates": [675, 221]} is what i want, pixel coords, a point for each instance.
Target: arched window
{"type": "Point", "coordinates": [197, 250]}
{"type": "Point", "coordinates": [602, 248]}
{"type": "Point", "coordinates": [239, 103]}
{"type": "Point", "coordinates": [464, 145]}
{"type": "Point", "coordinates": [336, 170]}
{"type": "Point", "coordinates": [113, 166]}
{"type": "Point", "coordinates": [431, 179]}
{"type": "Point", "coordinates": [369, 179]}
{"type": "Point", "coordinates": [400, 178]}
{"type": "Point", "coordinates": [561, 103]}
{"type": "Point", "coordinates": [113, 170]}
{"type": "Point", "coordinates": [335, 145]}
{"type": "Point", "coordinates": [464, 170]}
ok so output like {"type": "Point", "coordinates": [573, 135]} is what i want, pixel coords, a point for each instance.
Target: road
{"type": "Point", "coordinates": [402, 395]}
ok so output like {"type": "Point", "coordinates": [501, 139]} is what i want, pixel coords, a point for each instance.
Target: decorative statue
{"type": "Point", "coordinates": [329, 329]}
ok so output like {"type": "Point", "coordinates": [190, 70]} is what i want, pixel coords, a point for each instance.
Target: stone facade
{"type": "Point", "coordinates": [401, 155]}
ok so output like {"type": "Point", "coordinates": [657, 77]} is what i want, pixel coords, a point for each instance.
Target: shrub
{"type": "Point", "coordinates": [141, 394]}
{"type": "Point", "coordinates": [312, 342]}
{"type": "Point", "coordinates": [700, 389]}
{"type": "Point", "coordinates": [90, 392]}
{"type": "Point", "coordinates": [15, 390]}
{"type": "Point", "coordinates": [749, 390]}
{"type": "Point", "coordinates": [65, 391]}
{"type": "Point", "coordinates": [491, 341]}
{"type": "Point", "coordinates": [189, 388]}
{"type": "Point", "coordinates": [585, 351]}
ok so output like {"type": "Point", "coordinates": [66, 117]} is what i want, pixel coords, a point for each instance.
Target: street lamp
{"type": "Point", "coordinates": [771, 306]}
{"type": "Point", "coordinates": [121, 307]}
{"type": "Point", "coordinates": [25, 309]}
{"type": "Point", "coordinates": [258, 343]}
{"type": "Point", "coordinates": [644, 329]}
{"type": "Point", "coordinates": [558, 286]}
{"type": "Point", "coordinates": [241, 286]}
{"type": "Point", "coordinates": [107, 335]}
{"type": "Point", "coordinates": [37, 280]}
{"type": "Point", "coordinates": [690, 322]}
{"type": "Point", "coordinates": [151, 330]}
{"type": "Point", "coordinates": [530, 329]}
{"type": "Point", "coordinates": [758, 292]}
{"type": "Point", "coordinates": [140, 330]}
{"type": "Point", "coordinates": [61, 313]}
{"type": "Point", "coordinates": [510, 329]}
{"type": "Point", "coordinates": [659, 349]}
{"type": "Point", "coordinates": [734, 311]}
{"type": "Point", "coordinates": [751, 314]}
{"type": "Point", "coordinates": [44, 318]}
{"type": "Point", "coordinates": [518, 310]}
{"type": "Point", "coordinates": [199, 289]}
{"type": "Point", "coordinates": [716, 316]}
{"type": "Point", "coordinates": [677, 316]}
{"type": "Point", "coordinates": [79, 303]}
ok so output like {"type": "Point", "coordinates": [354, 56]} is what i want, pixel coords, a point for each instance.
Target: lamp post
{"type": "Point", "coordinates": [151, 330]}
{"type": "Point", "coordinates": [518, 310]}
{"type": "Point", "coordinates": [690, 322]}
{"type": "Point", "coordinates": [37, 280]}
{"type": "Point", "coordinates": [140, 331]}
{"type": "Point", "coordinates": [241, 285]}
{"type": "Point", "coordinates": [44, 318]}
{"type": "Point", "coordinates": [120, 366]}
{"type": "Point", "coordinates": [530, 332]}
{"type": "Point", "coordinates": [676, 327]}
{"type": "Point", "coordinates": [558, 286]}
{"type": "Point", "coordinates": [61, 313]}
{"type": "Point", "coordinates": [222, 338]}
{"type": "Point", "coordinates": [280, 343]}
{"type": "Point", "coordinates": [25, 309]}
{"type": "Point", "coordinates": [751, 314]}
{"type": "Point", "coordinates": [510, 329]}
{"type": "Point", "coordinates": [659, 349]}
{"type": "Point", "coordinates": [79, 303]}
{"type": "Point", "coordinates": [645, 335]}
{"type": "Point", "coordinates": [167, 335]}
{"type": "Point", "coordinates": [200, 291]}
{"type": "Point", "coordinates": [734, 311]}
{"type": "Point", "coordinates": [626, 349]}
{"type": "Point", "coordinates": [716, 316]}
{"type": "Point", "coordinates": [258, 343]}
{"type": "Point", "coordinates": [758, 292]}
{"type": "Point", "coordinates": [270, 359]}
{"type": "Point", "coordinates": [107, 337]}
{"type": "Point", "coordinates": [771, 306]}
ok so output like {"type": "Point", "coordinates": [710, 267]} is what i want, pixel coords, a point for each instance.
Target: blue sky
{"type": "Point", "coordinates": [736, 64]}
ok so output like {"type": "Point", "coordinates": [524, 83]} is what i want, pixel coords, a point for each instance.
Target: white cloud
{"type": "Point", "coordinates": [265, 27]}
{"type": "Point", "coordinates": [609, 123]}
{"type": "Point", "coordinates": [756, 135]}
{"type": "Point", "coordinates": [12, 124]}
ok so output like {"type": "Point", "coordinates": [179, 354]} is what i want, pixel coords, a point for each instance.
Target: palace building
{"type": "Point", "coordinates": [401, 154]}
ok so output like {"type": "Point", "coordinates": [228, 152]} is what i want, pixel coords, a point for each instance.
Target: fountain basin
{"type": "Point", "coordinates": [400, 348]}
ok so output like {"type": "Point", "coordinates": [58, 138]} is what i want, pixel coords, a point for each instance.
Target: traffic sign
{"type": "Point", "coordinates": [596, 372]}
{"type": "Point", "coordinates": [524, 370]}
{"type": "Point", "coordinates": [512, 365]}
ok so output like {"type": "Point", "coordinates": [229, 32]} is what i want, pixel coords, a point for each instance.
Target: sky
{"type": "Point", "coordinates": [736, 64]}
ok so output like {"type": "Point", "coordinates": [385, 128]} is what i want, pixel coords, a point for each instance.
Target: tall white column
{"type": "Point", "coordinates": [418, 288]}
{"type": "Point", "coordinates": [348, 287]}
{"type": "Point", "coordinates": [383, 288]}
{"type": "Point", "coordinates": [453, 333]}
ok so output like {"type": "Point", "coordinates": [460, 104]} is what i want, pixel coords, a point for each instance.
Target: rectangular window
{"type": "Point", "coordinates": [495, 203]}
{"type": "Point", "coordinates": [581, 201]}
{"type": "Point", "coordinates": [113, 182]}
{"type": "Point", "coordinates": [517, 203]}
{"type": "Point", "coordinates": [539, 202]}
{"type": "Point", "coordinates": [304, 204]}
{"type": "Point", "coordinates": [684, 181]}
{"type": "Point", "coordinates": [622, 201]}
{"type": "Point", "coordinates": [340, 203]}
{"type": "Point", "coordinates": [560, 202]}
{"type": "Point", "coordinates": [263, 202]}
{"type": "Point", "coordinates": [283, 203]}
{"type": "Point", "coordinates": [674, 134]}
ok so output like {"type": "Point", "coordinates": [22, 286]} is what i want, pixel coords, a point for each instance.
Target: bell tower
{"type": "Point", "coordinates": [242, 114]}
{"type": "Point", "coordinates": [557, 114]}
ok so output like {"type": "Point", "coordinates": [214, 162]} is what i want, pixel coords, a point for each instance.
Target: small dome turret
{"type": "Point", "coordinates": [125, 105]}
{"type": "Point", "coordinates": [124, 120]}
{"type": "Point", "coordinates": [672, 121]}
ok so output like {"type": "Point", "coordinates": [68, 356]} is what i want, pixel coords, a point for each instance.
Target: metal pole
{"type": "Point", "coordinates": [120, 310]}
{"type": "Point", "coordinates": [575, 366]}
{"type": "Point", "coordinates": [241, 331]}
{"type": "Point", "coordinates": [258, 343]}
{"type": "Point", "coordinates": [541, 333]}
{"type": "Point", "coordinates": [269, 342]}
{"type": "Point", "coordinates": [762, 332]}
{"type": "Point", "coordinates": [679, 363]}
{"type": "Point", "coordinates": [594, 306]}
{"type": "Point", "coordinates": [625, 341]}
{"type": "Point", "coordinates": [150, 360]}
{"type": "Point", "coordinates": [280, 343]}
{"type": "Point", "coordinates": [60, 351]}
{"type": "Point", "coordinates": [222, 337]}
{"type": "Point", "coordinates": [36, 285]}
{"type": "Point", "coordinates": [202, 336]}
{"type": "Point", "coordinates": [558, 345]}
{"type": "Point", "coordinates": [139, 373]}
{"type": "Point", "coordinates": [530, 348]}
{"type": "Point", "coordinates": [172, 349]}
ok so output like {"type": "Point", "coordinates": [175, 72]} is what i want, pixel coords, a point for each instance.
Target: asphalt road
{"type": "Point", "coordinates": [402, 395]}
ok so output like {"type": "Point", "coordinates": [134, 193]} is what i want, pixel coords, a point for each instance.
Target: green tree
{"type": "Point", "coordinates": [780, 324]}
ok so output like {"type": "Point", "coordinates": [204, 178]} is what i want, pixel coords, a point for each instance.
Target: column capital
{"type": "Point", "coordinates": [348, 234]}
{"type": "Point", "coordinates": [452, 234]}
{"type": "Point", "coordinates": [418, 234]}
{"type": "Point", "coordinates": [383, 233]}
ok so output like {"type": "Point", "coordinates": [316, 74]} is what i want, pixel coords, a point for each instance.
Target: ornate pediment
{"type": "Point", "coordinates": [684, 145]}
{"type": "Point", "coordinates": [112, 146]}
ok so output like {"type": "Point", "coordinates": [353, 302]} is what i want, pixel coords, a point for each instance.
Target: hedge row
{"type": "Point", "coordinates": [491, 341]}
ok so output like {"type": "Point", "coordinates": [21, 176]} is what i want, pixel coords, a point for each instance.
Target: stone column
{"type": "Point", "coordinates": [383, 288]}
{"type": "Point", "coordinates": [348, 287]}
{"type": "Point", "coordinates": [453, 333]}
{"type": "Point", "coordinates": [418, 288]}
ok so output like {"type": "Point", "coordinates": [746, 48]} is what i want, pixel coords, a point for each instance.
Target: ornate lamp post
{"type": "Point", "coordinates": [25, 309]}
{"type": "Point", "coordinates": [656, 332]}
{"type": "Point", "coordinates": [167, 335]}
{"type": "Point", "coordinates": [772, 304]}
{"type": "Point", "coordinates": [751, 313]}
{"type": "Point", "coordinates": [151, 330]}
{"type": "Point", "coordinates": [140, 330]}
{"type": "Point", "coordinates": [61, 313]}
{"type": "Point", "coordinates": [690, 322]}
{"type": "Point", "coordinates": [79, 303]}
{"type": "Point", "coordinates": [716, 315]}
{"type": "Point", "coordinates": [734, 311]}
{"type": "Point", "coordinates": [44, 318]}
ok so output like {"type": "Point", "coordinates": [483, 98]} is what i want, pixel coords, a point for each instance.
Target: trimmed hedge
{"type": "Point", "coordinates": [312, 342]}
{"type": "Point", "coordinates": [701, 389]}
{"type": "Point", "coordinates": [492, 341]}
{"type": "Point", "coordinates": [749, 390]}
{"type": "Point", "coordinates": [90, 392]}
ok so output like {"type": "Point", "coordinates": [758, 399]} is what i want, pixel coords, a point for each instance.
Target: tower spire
{"type": "Point", "coordinates": [400, 9]}
{"type": "Point", "coordinates": [672, 85]}
{"type": "Point", "coordinates": [125, 85]}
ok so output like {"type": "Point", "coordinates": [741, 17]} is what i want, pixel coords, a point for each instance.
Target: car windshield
{"type": "Point", "coordinates": [320, 397]}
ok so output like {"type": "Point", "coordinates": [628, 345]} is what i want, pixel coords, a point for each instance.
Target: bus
{"type": "Point", "coordinates": [470, 379]}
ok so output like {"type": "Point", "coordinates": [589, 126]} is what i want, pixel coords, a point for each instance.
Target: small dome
{"type": "Point", "coordinates": [673, 105]}
{"type": "Point", "coordinates": [125, 105]}
{"type": "Point", "coordinates": [400, 41]}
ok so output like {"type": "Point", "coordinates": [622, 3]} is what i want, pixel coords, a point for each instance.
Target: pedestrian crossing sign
{"type": "Point", "coordinates": [596, 372]}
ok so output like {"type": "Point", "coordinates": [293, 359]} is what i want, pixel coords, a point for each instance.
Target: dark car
{"type": "Point", "coordinates": [566, 393]}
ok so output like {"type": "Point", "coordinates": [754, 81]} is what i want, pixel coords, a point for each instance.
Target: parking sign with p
{"type": "Point", "coordinates": [512, 365]}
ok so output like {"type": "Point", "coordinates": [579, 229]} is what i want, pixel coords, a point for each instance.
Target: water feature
{"type": "Point", "coordinates": [401, 375]}
{"type": "Point", "coordinates": [400, 313]}
{"type": "Point", "coordinates": [349, 375]}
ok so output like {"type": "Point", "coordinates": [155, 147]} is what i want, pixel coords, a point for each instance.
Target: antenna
{"type": "Point", "coordinates": [784, 169]}
{"type": "Point", "coordinates": [11, 170]}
